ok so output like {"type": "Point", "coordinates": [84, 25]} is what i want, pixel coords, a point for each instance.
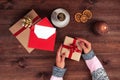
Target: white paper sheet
{"type": "Point", "coordinates": [44, 32]}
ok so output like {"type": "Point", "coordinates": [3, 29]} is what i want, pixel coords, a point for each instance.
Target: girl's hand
{"type": "Point", "coordinates": [85, 45]}
{"type": "Point", "coordinates": [60, 59]}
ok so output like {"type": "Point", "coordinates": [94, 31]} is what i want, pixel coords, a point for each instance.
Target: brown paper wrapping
{"type": "Point", "coordinates": [23, 37]}
{"type": "Point", "coordinates": [75, 55]}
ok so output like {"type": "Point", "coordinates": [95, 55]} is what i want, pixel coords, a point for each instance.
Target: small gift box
{"type": "Point", "coordinates": [21, 29]}
{"type": "Point", "coordinates": [71, 49]}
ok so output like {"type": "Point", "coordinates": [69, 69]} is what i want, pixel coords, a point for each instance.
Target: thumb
{"type": "Point", "coordinates": [63, 57]}
{"type": "Point", "coordinates": [83, 46]}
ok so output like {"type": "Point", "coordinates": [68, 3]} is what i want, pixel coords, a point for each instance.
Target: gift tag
{"type": "Point", "coordinates": [44, 32]}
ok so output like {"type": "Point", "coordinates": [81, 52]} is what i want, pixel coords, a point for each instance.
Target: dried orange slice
{"type": "Point", "coordinates": [88, 13]}
{"type": "Point", "coordinates": [84, 18]}
{"type": "Point", "coordinates": [77, 17]}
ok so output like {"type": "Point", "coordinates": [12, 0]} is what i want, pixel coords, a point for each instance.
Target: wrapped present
{"type": "Point", "coordinates": [21, 29]}
{"type": "Point", "coordinates": [42, 35]}
{"type": "Point", "coordinates": [71, 49]}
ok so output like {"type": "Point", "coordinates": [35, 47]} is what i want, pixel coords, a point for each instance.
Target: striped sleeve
{"type": "Point", "coordinates": [56, 78]}
{"type": "Point", "coordinates": [95, 67]}
{"type": "Point", "coordinates": [57, 73]}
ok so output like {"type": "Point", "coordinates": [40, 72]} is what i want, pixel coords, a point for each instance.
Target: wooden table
{"type": "Point", "coordinates": [17, 64]}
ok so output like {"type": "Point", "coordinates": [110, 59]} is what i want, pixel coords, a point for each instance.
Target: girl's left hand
{"type": "Point", "coordinates": [60, 59]}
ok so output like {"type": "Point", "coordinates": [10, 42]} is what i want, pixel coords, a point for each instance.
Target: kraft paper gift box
{"type": "Point", "coordinates": [71, 49]}
{"type": "Point", "coordinates": [21, 32]}
{"type": "Point", "coordinates": [42, 35]}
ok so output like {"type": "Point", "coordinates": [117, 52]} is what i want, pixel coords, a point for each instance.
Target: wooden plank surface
{"type": "Point", "coordinates": [17, 64]}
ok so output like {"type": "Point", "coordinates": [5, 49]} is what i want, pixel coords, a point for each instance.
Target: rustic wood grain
{"type": "Point", "coordinates": [17, 64]}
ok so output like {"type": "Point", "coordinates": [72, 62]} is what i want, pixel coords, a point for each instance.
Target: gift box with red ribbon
{"type": "Point", "coordinates": [21, 29]}
{"type": "Point", "coordinates": [71, 48]}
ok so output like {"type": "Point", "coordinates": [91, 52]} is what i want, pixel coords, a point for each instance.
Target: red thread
{"type": "Point", "coordinates": [19, 31]}
{"type": "Point", "coordinates": [73, 48]}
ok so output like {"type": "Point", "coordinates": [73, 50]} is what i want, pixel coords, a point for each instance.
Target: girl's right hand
{"type": "Point", "coordinates": [85, 45]}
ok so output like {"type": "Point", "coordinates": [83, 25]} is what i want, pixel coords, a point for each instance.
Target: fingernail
{"type": "Point", "coordinates": [63, 53]}
{"type": "Point", "coordinates": [81, 42]}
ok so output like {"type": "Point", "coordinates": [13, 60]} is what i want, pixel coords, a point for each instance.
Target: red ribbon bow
{"type": "Point", "coordinates": [23, 28]}
{"type": "Point", "coordinates": [73, 48]}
